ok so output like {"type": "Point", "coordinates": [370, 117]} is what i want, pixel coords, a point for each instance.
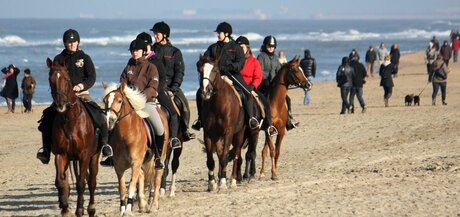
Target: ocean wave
{"type": "Point", "coordinates": [349, 35]}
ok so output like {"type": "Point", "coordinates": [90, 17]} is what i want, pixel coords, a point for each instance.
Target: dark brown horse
{"type": "Point", "coordinates": [129, 139]}
{"type": "Point", "coordinates": [290, 74]}
{"type": "Point", "coordinates": [223, 122]}
{"type": "Point", "coordinates": [74, 140]}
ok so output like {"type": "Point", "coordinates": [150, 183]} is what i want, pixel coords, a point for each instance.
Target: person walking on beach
{"type": "Point", "coordinates": [10, 86]}
{"type": "Point", "coordinates": [358, 76]}
{"type": "Point", "coordinates": [174, 65]}
{"type": "Point", "coordinates": [371, 57]}
{"type": "Point", "coordinates": [439, 79]}
{"type": "Point", "coordinates": [446, 52]}
{"type": "Point", "coordinates": [282, 57]}
{"type": "Point", "coordinates": [395, 55]}
{"type": "Point", "coordinates": [344, 79]}
{"type": "Point", "coordinates": [455, 46]}
{"type": "Point", "coordinates": [387, 71]}
{"type": "Point", "coordinates": [353, 53]}
{"type": "Point", "coordinates": [430, 57]}
{"type": "Point", "coordinates": [308, 65]}
{"type": "Point", "coordinates": [82, 77]}
{"type": "Point", "coordinates": [28, 85]}
{"type": "Point", "coordinates": [382, 52]}
{"type": "Point", "coordinates": [435, 42]}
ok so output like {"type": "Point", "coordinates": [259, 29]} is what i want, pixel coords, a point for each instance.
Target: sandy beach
{"type": "Point", "coordinates": [389, 161]}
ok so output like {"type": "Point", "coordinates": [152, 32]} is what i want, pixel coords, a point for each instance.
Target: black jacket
{"type": "Point", "coordinates": [80, 66]}
{"type": "Point", "coordinates": [231, 57]}
{"type": "Point", "coordinates": [386, 75]}
{"type": "Point", "coordinates": [371, 56]}
{"type": "Point", "coordinates": [308, 65]}
{"type": "Point", "coordinates": [359, 73]}
{"type": "Point", "coordinates": [395, 55]}
{"type": "Point", "coordinates": [173, 62]}
{"type": "Point", "coordinates": [11, 85]}
{"type": "Point", "coordinates": [161, 72]}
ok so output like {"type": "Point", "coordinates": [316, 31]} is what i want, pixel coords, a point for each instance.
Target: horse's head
{"type": "Point", "coordinates": [61, 86]}
{"type": "Point", "coordinates": [209, 73]}
{"type": "Point", "coordinates": [122, 101]}
{"type": "Point", "coordinates": [295, 75]}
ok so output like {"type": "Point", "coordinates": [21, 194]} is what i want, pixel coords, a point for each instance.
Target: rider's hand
{"type": "Point", "coordinates": [79, 87]}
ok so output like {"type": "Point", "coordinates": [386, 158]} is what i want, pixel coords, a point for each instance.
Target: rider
{"type": "Point", "coordinates": [270, 66]}
{"type": "Point", "coordinates": [252, 74]}
{"type": "Point", "coordinates": [230, 64]}
{"type": "Point", "coordinates": [162, 97]}
{"type": "Point", "coordinates": [82, 76]}
{"type": "Point", "coordinates": [174, 66]}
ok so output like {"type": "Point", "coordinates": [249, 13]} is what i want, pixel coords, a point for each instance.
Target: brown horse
{"type": "Point", "coordinates": [74, 139]}
{"type": "Point", "coordinates": [224, 124]}
{"type": "Point", "coordinates": [290, 74]}
{"type": "Point", "coordinates": [129, 139]}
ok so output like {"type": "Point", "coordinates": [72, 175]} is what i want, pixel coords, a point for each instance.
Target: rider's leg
{"type": "Point", "coordinates": [185, 115]}
{"type": "Point", "coordinates": [46, 126]}
{"type": "Point", "coordinates": [291, 122]}
{"type": "Point", "coordinates": [197, 124]}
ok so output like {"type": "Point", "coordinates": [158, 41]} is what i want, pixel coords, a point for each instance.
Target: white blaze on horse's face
{"type": "Point", "coordinates": [207, 69]}
{"type": "Point", "coordinates": [111, 118]}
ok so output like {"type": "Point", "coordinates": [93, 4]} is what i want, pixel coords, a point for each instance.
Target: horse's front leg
{"type": "Point", "coordinates": [264, 154]}
{"type": "Point", "coordinates": [121, 188]}
{"type": "Point", "coordinates": [141, 190]}
{"type": "Point", "coordinates": [81, 175]}
{"type": "Point", "coordinates": [250, 170]}
{"type": "Point", "coordinates": [136, 169]}
{"type": "Point", "coordinates": [212, 185]}
{"type": "Point", "coordinates": [156, 186]}
{"type": "Point", "coordinates": [174, 166]}
{"type": "Point", "coordinates": [276, 154]}
{"type": "Point", "coordinates": [61, 164]}
{"type": "Point", "coordinates": [93, 170]}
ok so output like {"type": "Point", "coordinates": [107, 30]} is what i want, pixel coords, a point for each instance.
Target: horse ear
{"type": "Point", "coordinates": [122, 86]}
{"type": "Point", "coordinates": [49, 62]}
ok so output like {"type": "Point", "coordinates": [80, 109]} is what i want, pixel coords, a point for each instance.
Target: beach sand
{"type": "Point", "coordinates": [389, 161]}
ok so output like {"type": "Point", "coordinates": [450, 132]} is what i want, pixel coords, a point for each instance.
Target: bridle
{"type": "Point", "coordinates": [118, 114]}
{"type": "Point", "coordinates": [56, 93]}
{"type": "Point", "coordinates": [212, 82]}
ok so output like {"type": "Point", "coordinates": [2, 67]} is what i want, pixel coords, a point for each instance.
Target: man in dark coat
{"type": "Point", "coordinates": [10, 86]}
{"type": "Point", "coordinates": [358, 75]}
{"type": "Point", "coordinates": [308, 65]}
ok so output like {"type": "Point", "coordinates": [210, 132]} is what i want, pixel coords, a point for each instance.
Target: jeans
{"type": "Point", "coordinates": [307, 98]}
{"type": "Point", "coordinates": [387, 91]}
{"type": "Point", "coordinates": [358, 91]}
{"type": "Point", "coordinates": [344, 93]}
{"type": "Point", "coordinates": [27, 101]}
{"type": "Point", "coordinates": [455, 56]}
{"type": "Point", "coordinates": [436, 86]}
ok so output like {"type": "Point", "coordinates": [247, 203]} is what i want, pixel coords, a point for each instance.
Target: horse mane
{"type": "Point", "coordinates": [135, 96]}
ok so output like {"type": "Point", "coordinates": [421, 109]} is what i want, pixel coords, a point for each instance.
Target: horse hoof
{"type": "Point", "coordinates": [172, 194]}
{"type": "Point", "coordinates": [233, 184]}
{"type": "Point", "coordinates": [262, 176]}
{"type": "Point", "coordinates": [274, 178]}
{"type": "Point", "coordinates": [91, 210]}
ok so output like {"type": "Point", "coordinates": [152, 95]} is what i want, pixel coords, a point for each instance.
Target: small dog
{"type": "Point", "coordinates": [409, 99]}
{"type": "Point", "coordinates": [417, 100]}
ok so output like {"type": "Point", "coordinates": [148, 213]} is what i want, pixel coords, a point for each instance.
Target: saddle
{"type": "Point", "coordinates": [253, 93]}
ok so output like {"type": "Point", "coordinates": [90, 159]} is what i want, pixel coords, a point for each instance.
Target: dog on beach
{"type": "Point", "coordinates": [417, 100]}
{"type": "Point", "coordinates": [409, 99]}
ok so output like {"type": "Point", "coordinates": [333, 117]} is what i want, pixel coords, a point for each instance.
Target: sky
{"type": "Point", "coordinates": [236, 9]}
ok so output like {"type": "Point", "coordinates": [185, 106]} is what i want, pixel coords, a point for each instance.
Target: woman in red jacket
{"type": "Point", "coordinates": [252, 75]}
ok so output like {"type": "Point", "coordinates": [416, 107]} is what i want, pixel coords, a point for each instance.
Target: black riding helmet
{"type": "Point", "coordinates": [161, 27]}
{"type": "Point", "coordinates": [224, 27]}
{"type": "Point", "coordinates": [146, 37]}
{"type": "Point", "coordinates": [242, 40]}
{"type": "Point", "coordinates": [71, 35]}
{"type": "Point", "coordinates": [270, 41]}
{"type": "Point", "coordinates": [137, 44]}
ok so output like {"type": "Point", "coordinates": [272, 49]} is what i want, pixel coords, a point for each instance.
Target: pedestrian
{"type": "Point", "coordinates": [455, 46]}
{"type": "Point", "coordinates": [386, 72]}
{"type": "Point", "coordinates": [353, 53]}
{"type": "Point", "coordinates": [446, 52]}
{"type": "Point", "coordinates": [282, 57]}
{"type": "Point", "coordinates": [344, 81]}
{"type": "Point", "coordinates": [382, 52]}
{"type": "Point", "coordinates": [28, 85]}
{"type": "Point", "coordinates": [395, 55]}
{"type": "Point", "coordinates": [439, 80]}
{"type": "Point", "coordinates": [430, 57]}
{"type": "Point", "coordinates": [308, 65]}
{"type": "Point", "coordinates": [358, 78]}
{"type": "Point", "coordinates": [371, 57]}
{"type": "Point", "coordinates": [435, 42]}
{"type": "Point", "coordinates": [10, 86]}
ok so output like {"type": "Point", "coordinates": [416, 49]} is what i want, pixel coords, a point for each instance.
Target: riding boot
{"type": "Point", "coordinates": [249, 107]}
{"type": "Point", "coordinates": [174, 130]}
{"type": "Point", "coordinates": [157, 149]}
{"type": "Point", "coordinates": [46, 126]}
{"type": "Point", "coordinates": [197, 124]}
{"type": "Point", "coordinates": [291, 122]}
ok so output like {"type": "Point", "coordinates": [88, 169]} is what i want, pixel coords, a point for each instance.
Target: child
{"type": "Point", "coordinates": [28, 87]}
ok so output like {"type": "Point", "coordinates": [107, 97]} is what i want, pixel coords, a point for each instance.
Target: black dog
{"type": "Point", "coordinates": [417, 100]}
{"type": "Point", "coordinates": [409, 99]}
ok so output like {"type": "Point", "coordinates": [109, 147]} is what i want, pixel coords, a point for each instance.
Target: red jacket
{"type": "Point", "coordinates": [455, 44]}
{"type": "Point", "coordinates": [252, 72]}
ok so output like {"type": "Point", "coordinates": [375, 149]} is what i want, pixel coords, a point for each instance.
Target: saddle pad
{"type": "Point", "coordinates": [259, 103]}
{"type": "Point", "coordinates": [230, 82]}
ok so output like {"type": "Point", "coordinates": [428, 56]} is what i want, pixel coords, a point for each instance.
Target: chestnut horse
{"type": "Point", "coordinates": [73, 139]}
{"type": "Point", "coordinates": [290, 74]}
{"type": "Point", "coordinates": [129, 139]}
{"type": "Point", "coordinates": [224, 125]}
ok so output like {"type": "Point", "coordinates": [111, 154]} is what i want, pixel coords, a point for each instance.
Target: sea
{"type": "Point", "coordinates": [27, 43]}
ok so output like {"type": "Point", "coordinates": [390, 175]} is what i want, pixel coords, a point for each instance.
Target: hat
{"type": "Point", "coordinates": [242, 40]}
{"type": "Point", "coordinates": [27, 71]}
{"type": "Point", "coordinates": [161, 27]}
{"type": "Point", "coordinates": [224, 27]}
{"type": "Point", "coordinates": [387, 57]}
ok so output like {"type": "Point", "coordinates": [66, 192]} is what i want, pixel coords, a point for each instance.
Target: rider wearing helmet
{"type": "Point", "coordinates": [82, 76]}
{"type": "Point", "coordinates": [162, 97]}
{"type": "Point", "coordinates": [270, 66]}
{"type": "Point", "coordinates": [171, 57]}
{"type": "Point", "coordinates": [230, 64]}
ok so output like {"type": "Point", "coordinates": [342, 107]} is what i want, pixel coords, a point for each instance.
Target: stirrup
{"type": "Point", "coordinates": [175, 143]}
{"type": "Point", "coordinates": [107, 150]}
{"type": "Point", "coordinates": [253, 123]}
{"type": "Point", "coordinates": [44, 156]}
{"type": "Point", "coordinates": [273, 130]}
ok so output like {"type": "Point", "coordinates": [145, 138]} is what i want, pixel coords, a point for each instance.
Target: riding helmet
{"type": "Point", "coordinates": [146, 37]}
{"type": "Point", "coordinates": [71, 35]}
{"type": "Point", "coordinates": [242, 40]}
{"type": "Point", "coordinates": [138, 44]}
{"type": "Point", "coordinates": [224, 27]}
{"type": "Point", "coordinates": [161, 27]}
{"type": "Point", "coordinates": [270, 41]}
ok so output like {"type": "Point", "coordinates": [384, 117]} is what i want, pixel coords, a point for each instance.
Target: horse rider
{"type": "Point", "coordinates": [139, 73]}
{"type": "Point", "coordinates": [171, 57]}
{"type": "Point", "coordinates": [82, 77]}
{"type": "Point", "coordinates": [252, 75]}
{"type": "Point", "coordinates": [270, 66]}
{"type": "Point", "coordinates": [230, 64]}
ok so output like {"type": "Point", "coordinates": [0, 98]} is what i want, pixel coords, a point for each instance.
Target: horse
{"type": "Point", "coordinates": [73, 139]}
{"type": "Point", "coordinates": [129, 139]}
{"type": "Point", "coordinates": [290, 74]}
{"type": "Point", "coordinates": [223, 124]}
